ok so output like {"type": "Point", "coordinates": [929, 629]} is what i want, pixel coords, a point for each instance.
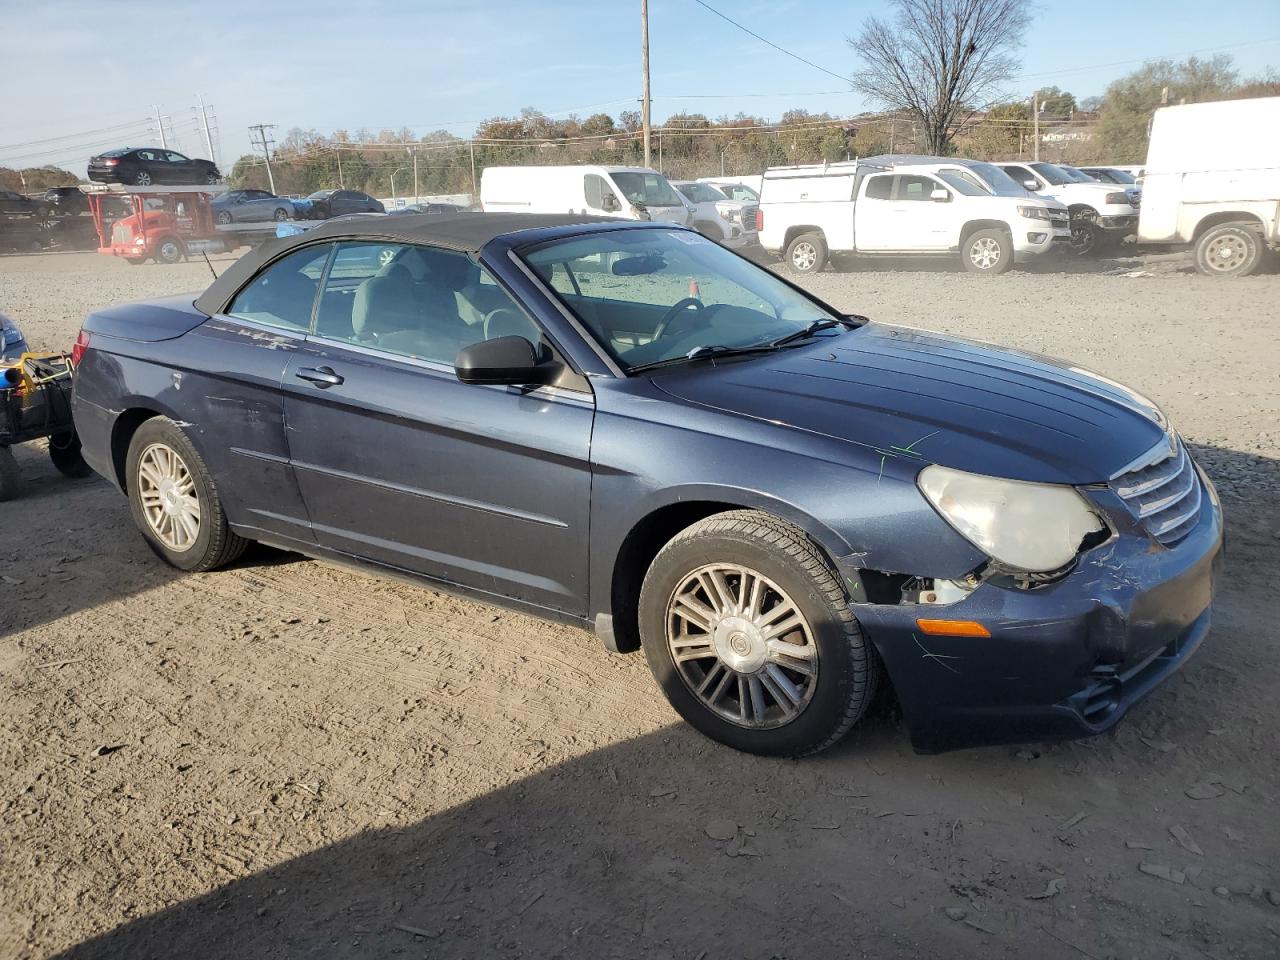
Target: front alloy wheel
{"type": "Point", "coordinates": [751, 636]}
{"type": "Point", "coordinates": [742, 646]}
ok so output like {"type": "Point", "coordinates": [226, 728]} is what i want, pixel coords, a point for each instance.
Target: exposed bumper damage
{"type": "Point", "coordinates": [1065, 659]}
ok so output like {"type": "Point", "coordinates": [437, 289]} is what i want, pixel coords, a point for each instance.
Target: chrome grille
{"type": "Point", "coordinates": [749, 217]}
{"type": "Point", "coordinates": [1162, 490]}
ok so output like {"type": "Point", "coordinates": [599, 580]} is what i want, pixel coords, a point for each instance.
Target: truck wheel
{"type": "Point", "coordinates": [64, 451]}
{"type": "Point", "coordinates": [807, 253]}
{"type": "Point", "coordinates": [749, 634]}
{"type": "Point", "coordinates": [1084, 233]}
{"type": "Point", "coordinates": [1229, 250]}
{"type": "Point", "coordinates": [987, 251]}
{"type": "Point", "coordinates": [169, 250]}
{"type": "Point", "coordinates": [10, 475]}
{"type": "Point", "coordinates": [174, 501]}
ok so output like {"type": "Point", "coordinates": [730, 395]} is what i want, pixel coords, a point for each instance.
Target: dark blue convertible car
{"type": "Point", "coordinates": [626, 427]}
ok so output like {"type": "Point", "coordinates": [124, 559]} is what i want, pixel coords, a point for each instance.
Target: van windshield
{"type": "Point", "coordinates": [998, 182]}
{"type": "Point", "coordinates": [647, 189]}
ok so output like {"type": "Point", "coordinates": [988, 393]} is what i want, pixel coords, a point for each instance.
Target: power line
{"type": "Point", "coordinates": [1125, 63]}
{"type": "Point", "coordinates": [793, 56]}
{"type": "Point", "coordinates": [74, 136]}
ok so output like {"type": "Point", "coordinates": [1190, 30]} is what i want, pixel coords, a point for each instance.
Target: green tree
{"type": "Point", "coordinates": [1131, 100]}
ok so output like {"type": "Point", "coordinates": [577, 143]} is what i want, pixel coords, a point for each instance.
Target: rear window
{"type": "Point", "coordinates": [115, 153]}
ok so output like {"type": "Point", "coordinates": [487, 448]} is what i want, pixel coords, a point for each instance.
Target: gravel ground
{"type": "Point", "coordinates": [285, 759]}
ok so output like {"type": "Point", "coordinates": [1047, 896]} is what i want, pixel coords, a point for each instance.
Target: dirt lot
{"type": "Point", "coordinates": [283, 759]}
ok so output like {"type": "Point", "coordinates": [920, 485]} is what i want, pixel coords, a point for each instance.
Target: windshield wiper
{"type": "Point", "coordinates": [705, 352]}
{"type": "Point", "coordinates": [825, 323]}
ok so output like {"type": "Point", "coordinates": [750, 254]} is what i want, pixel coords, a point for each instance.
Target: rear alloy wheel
{"type": "Point", "coordinates": [1229, 250]}
{"type": "Point", "coordinates": [807, 253]}
{"type": "Point", "coordinates": [749, 633]}
{"type": "Point", "coordinates": [142, 179]}
{"type": "Point", "coordinates": [987, 251]}
{"type": "Point", "coordinates": [281, 215]}
{"type": "Point", "coordinates": [174, 502]}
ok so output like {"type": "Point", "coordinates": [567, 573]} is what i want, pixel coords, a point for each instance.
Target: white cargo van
{"type": "Point", "coordinates": [906, 206]}
{"type": "Point", "coordinates": [633, 193]}
{"type": "Point", "coordinates": [1213, 181]}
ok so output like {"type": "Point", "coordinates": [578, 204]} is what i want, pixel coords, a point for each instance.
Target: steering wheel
{"type": "Point", "coordinates": [676, 314]}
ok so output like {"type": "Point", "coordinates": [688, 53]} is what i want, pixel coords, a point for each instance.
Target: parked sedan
{"type": "Point", "coordinates": [624, 426]}
{"type": "Point", "coordinates": [251, 206]}
{"type": "Point", "coordinates": [151, 166]}
{"type": "Point", "coordinates": [337, 203]}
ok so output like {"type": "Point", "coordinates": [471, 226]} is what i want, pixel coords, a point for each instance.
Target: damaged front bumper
{"type": "Point", "coordinates": [1064, 660]}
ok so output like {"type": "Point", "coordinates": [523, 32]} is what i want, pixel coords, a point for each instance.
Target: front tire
{"type": "Point", "coordinates": [174, 501]}
{"type": "Point", "coordinates": [749, 634]}
{"type": "Point", "coordinates": [169, 250]}
{"type": "Point", "coordinates": [987, 251]}
{"type": "Point", "coordinates": [224, 216]}
{"type": "Point", "coordinates": [1229, 250]}
{"type": "Point", "coordinates": [807, 253]}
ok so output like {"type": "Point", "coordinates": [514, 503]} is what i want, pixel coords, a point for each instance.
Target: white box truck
{"type": "Point", "coordinates": [906, 207]}
{"type": "Point", "coordinates": [632, 193]}
{"type": "Point", "coordinates": [1212, 182]}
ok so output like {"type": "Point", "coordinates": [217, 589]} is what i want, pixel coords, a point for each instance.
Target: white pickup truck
{"type": "Point", "coordinates": [905, 206]}
{"type": "Point", "coordinates": [1213, 183]}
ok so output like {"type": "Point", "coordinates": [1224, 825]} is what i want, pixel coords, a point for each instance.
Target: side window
{"type": "Point", "coordinates": [283, 294]}
{"type": "Point", "coordinates": [914, 188]}
{"type": "Point", "coordinates": [1020, 175]}
{"type": "Point", "coordinates": [415, 301]}
{"type": "Point", "coordinates": [147, 155]}
{"type": "Point", "coordinates": [594, 186]}
{"type": "Point", "coordinates": [175, 157]}
{"type": "Point", "coordinates": [879, 187]}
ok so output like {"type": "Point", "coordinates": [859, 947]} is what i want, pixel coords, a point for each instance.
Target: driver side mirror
{"type": "Point", "coordinates": [1031, 184]}
{"type": "Point", "coordinates": [610, 203]}
{"type": "Point", "coordinates": [512, 361]}
{"type": "Point", "coordinates": [940, 195]}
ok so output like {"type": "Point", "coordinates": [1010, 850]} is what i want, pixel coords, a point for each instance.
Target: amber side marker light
{"type": "Point", "coordinates": [953, 628]}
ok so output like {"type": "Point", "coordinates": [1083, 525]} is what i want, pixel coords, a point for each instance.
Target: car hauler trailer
{"type": "Point", "coordinates": [167, 223]}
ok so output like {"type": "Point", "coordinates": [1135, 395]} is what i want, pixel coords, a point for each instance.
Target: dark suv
{"type": "Point", "coordinates": [150, 165]}
{"type": "Point", "coordinates": [66, 201]}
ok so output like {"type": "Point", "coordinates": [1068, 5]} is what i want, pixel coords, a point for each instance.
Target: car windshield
{"type": "Point", "coordinates": [701, 192]}
{"type": "Point", "coordinates": [1117, 176]}
{"type": "Point", "coordinates": [1054, 175]}
{"type": "Point", "coordinates": [997, 182]}
{"type": "Point", "coordinates": [963, 182]}
{"type": "Point", "coordinates": [321, 194]}
{"type": "Point", "coordinates": [656, 295]}
{"type": "Point", "coordinates": [1079, 176]}
{"type": "Point", "coordinates": [647, 189]}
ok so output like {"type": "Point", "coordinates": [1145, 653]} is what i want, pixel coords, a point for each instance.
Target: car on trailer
{"type": "Point", "coordinates": [151, 166]}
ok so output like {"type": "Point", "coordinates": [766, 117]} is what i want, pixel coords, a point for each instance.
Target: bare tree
{"type": "Point", "coordinates": [938, 60]}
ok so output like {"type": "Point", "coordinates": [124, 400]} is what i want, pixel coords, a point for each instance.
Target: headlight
{"type": "Point", "coordinates": [1122, 198]}
{"type": "Point", "coordinates": [728, 211]}
{"type": "Point", "coordinates": [1034, 213]}
{"type": "Point", "coordinates": [1031, 527]}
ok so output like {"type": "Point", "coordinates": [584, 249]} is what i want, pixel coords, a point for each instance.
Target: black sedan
{"type": "Point", "coordinates": [151, 166]}
{"type": "Point", "coordinates": [339, 203]}
{"type": "Point", "coordinates": [624, 426]}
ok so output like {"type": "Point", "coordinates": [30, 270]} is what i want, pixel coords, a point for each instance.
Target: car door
{"type": "Point", "coordinates": [401, 464]}
{"type": "Point", "coordinates": [233, 383]}
{"type": "Point", "coordinates": [874, 226]}
{"type": "Point", "coordinates": [182, 168]}
{"type": "Point", "coordinates": [922, 223]}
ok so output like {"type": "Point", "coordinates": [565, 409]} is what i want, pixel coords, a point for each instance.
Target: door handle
{"type": "Point", "coordinates": [322, 377]}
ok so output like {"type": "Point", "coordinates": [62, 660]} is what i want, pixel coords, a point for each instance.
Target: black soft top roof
{"type": "Point", "coordinates": [463, 232]}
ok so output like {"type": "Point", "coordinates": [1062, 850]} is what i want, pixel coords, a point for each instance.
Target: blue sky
{"type": "Point", "coordinates": [428, 64]}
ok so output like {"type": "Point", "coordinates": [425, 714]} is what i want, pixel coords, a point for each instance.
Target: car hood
{"type": "Point", "coordinates": [938, 399]}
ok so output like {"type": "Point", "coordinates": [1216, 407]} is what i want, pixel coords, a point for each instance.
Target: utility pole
{"type": "Point", "coordinates": [413, 152]}
{"type": "Point", "coordinates": [160, 126]}
{"type": "Point", "coordinates": [1035, 120]}
{"type": "Point", "coordinates": [263, 142]}
{"type": "Point", "coordinates": [204, 119]}
{"type": "Point", "coordinates": [474, 190]}
{"type": "Point", "coordinates": [644, 67]}
{"type": "Point", "coordinates": [341, 183]}
{"type": "Point", "coordinates": [893, 134]}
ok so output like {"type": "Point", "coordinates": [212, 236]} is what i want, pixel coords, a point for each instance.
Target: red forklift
{"type": "Point", "coordinates": [164, 224]}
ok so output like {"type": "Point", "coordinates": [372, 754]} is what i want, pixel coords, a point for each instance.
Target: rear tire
{"type": "Point", "coordinates": [987, 251]}
{"type": "Point", "coordinates": [161, 497]}
{"type": "Point", "coordinates": [813, 679]}
{"type": "Point", "coordinates": [10, 475]}
{"type": "Point", "coordinates": [224, 216]}
{"type": "Point", "coordinates": [142, 179]}
{"type": "Point", "coordinates": [1230, 250]}
{"type": "Point", "coordinates": [807, 253]}
{"type": "Point", "coordinates": [65, 453]}
{"type": "Point", "coordinates": [281, 215]}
